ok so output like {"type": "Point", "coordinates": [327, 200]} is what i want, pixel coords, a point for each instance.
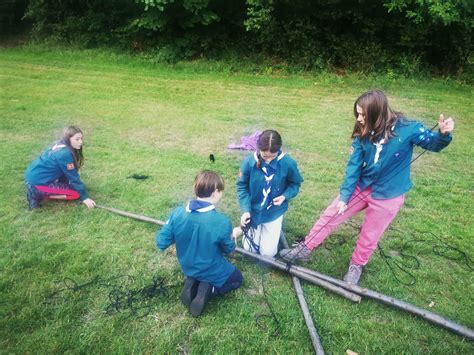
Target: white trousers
{"type": "Point", "coordinates": [265, 238]}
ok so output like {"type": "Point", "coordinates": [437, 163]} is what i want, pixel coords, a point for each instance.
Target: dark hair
{"type": "Point", "coordinates": [379, 117]}
{"type": "Point", "coordinates": [269, 140]}
{"type": "Point", "coordinates": [206, 182]}
{"type": "Point", "coordinates": [68, 132]}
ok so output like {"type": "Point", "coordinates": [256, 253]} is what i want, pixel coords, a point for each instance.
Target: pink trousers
{"type": "Point", "coordinates": [378, 216]}
{"type": "Point", "coordinates": [58, 190]}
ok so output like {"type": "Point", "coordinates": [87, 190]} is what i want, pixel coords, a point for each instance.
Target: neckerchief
{"type": "Point", "coordinates": [268, 173]}
{"type": "Point", "coordinates": [199, 206]}
{"type": "Point", "coordinates": [57, 146]}
{"type": "Point", "coordinates": [379, 148]}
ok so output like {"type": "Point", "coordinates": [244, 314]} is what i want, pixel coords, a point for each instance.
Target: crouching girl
{"type": "Point", "coordinates": [55, 174]}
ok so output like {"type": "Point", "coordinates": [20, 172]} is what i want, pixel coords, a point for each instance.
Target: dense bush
{"type": "Point", "coordinates": [404, 35]}
{"type": "Point", "coordinates": [11, 14]}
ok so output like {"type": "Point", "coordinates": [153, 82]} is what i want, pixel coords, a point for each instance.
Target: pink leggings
{"type": "Point", "coordinates": [46, 191]}
{"type": "Point", "coordinates": [378, 216]}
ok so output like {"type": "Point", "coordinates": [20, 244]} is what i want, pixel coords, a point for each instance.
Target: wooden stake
{"type": "Point", "coordinates": [318, 347]}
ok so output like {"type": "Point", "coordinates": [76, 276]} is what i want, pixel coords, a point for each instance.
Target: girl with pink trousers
{"type": "Point", "coordinates": [377, 177]}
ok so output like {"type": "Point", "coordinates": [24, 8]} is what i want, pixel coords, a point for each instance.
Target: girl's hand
{"type": "Point", "coordinates": [277, 201]}
{"type": "Point", "coordinates": [245, 219]}
{"type": "Point", "coordinates": [445, 125]}
{"type": "Point", "coordinates": [236, 233]}
{"type": "Point", "coordinates": [341, 207]}
{"type": "Point", "coordinates": [90, 203]}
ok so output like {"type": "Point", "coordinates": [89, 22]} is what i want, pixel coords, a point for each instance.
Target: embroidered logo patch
{"type": "Point", "coordinates": [70, 166]}
{"type": "Point", "coordinates": [351, 150]}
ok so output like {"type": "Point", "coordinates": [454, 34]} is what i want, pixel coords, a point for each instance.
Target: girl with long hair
{"type": "Point", "coordinates": [377, 177]}
{"type": "Point", "coordinates": [55, 174]}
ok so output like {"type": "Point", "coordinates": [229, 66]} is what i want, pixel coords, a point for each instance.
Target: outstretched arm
{"type": "Point", "coordinates": [353, 172]}
{"type": "Point", "coordinates": [434, 141]}
{"type": "Point", "coordinates": [165, 237]}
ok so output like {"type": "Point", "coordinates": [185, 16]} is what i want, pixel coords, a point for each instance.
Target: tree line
{"type": "Point", "coordinates": [364, 35]}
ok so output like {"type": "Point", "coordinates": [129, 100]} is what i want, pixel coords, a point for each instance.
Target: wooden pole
{"type": "Point", "coordinates": [302, 275]}
{"type": "Point", "coordinates": [318, 347]}
{"type": "Point", "coordinates": [331, 283]}
{"type": "Point", "coordinates": [391, 301]}
{"type": "Point", "coordinates": [132, 215]}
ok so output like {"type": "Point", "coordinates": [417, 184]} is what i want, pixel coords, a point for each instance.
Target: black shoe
{"type": "Point", "coordinates": [189, 291]}
{"type": "Point", "coordinates": [32, 197]}
{"type": "Point", "coordinates": [203, 296]}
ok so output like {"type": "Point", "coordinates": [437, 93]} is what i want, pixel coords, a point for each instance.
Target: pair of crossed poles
{"type": "Point", "coordinates": [342, 288]}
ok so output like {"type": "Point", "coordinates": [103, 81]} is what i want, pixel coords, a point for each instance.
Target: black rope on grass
{"type": "Point", "coordinates": [249, 235]}
{"type": "Point", "coordinates": [139, 302]}
{"type": "Point", "coordinates": [272, 315]}
{"type": "Point", "coordinates": [410, 262]}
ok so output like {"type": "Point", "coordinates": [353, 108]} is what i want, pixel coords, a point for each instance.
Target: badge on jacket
{"type": "Point", "coordinates": [70, 166]}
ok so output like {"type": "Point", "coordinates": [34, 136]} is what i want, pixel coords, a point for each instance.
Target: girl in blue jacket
{"type": "Point", "coordinates": [55, 174]}
{"type": "Point", "coordinates": [202, 237]}
{"type": "Point", "coordinates": [267, 180]}
{"type": "Point", "coordinates": [377, 177]}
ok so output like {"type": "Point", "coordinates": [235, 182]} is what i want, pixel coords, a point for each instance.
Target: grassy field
{"type": "Point", "coordinates": [63, 266]}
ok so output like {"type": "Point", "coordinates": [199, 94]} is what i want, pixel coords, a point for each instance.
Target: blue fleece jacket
{"type": "Point", "coordinates": [386, 166]}
{"type": "Point", "coordinates": [201, 240]}
{"type": "Point", "coordinates": [251, 181]}
{"type": "Point", "coordinates": [55, 164]}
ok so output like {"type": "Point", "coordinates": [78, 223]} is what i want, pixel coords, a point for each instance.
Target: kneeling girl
{"type": "Point", "coordinates": [202, 235]}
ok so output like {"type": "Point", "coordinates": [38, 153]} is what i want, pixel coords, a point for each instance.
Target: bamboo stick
{"type": "Point", "coordinates": [318, 347]}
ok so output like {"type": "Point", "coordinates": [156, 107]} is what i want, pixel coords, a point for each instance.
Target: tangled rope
{"type": "Point", "coordinates": [138, 301]}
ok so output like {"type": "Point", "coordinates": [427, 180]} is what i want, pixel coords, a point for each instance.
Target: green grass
{"type": "Point", "coordinates": [164, 121]}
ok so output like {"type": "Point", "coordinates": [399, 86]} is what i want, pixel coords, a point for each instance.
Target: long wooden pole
{"type": "Point", "coordinates": [308, 275]}
{"type": "Point", "coordinates": [132, 215]}
{"type": "Point", "coordinates": [327, 285]}
{"type": "Point", "coordinates": [391, 301]}
{"type": "Point", "coordinates": [318, 347]}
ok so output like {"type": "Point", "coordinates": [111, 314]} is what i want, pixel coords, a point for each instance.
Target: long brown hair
{"type": "Point", "coordinates": [68, 132]}
{"type": "Point", "coordinates": [379, 117]}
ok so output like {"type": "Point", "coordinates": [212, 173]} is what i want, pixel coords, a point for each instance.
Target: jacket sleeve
{"type": "Point", "coordinates": [243, 188]}
{"type": "Point", "coordinates": [426, 139]}
{"type": "Point", "coordinates": [294, 180]}
{"type": "Point", "coordinates": [227, 244]}
{"type": "Point", "coordinates": [353, 171]}
{"type": "Point", "coordinates": [65, 161]}
{"type": "Point", "coordinates": [165, 237]}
